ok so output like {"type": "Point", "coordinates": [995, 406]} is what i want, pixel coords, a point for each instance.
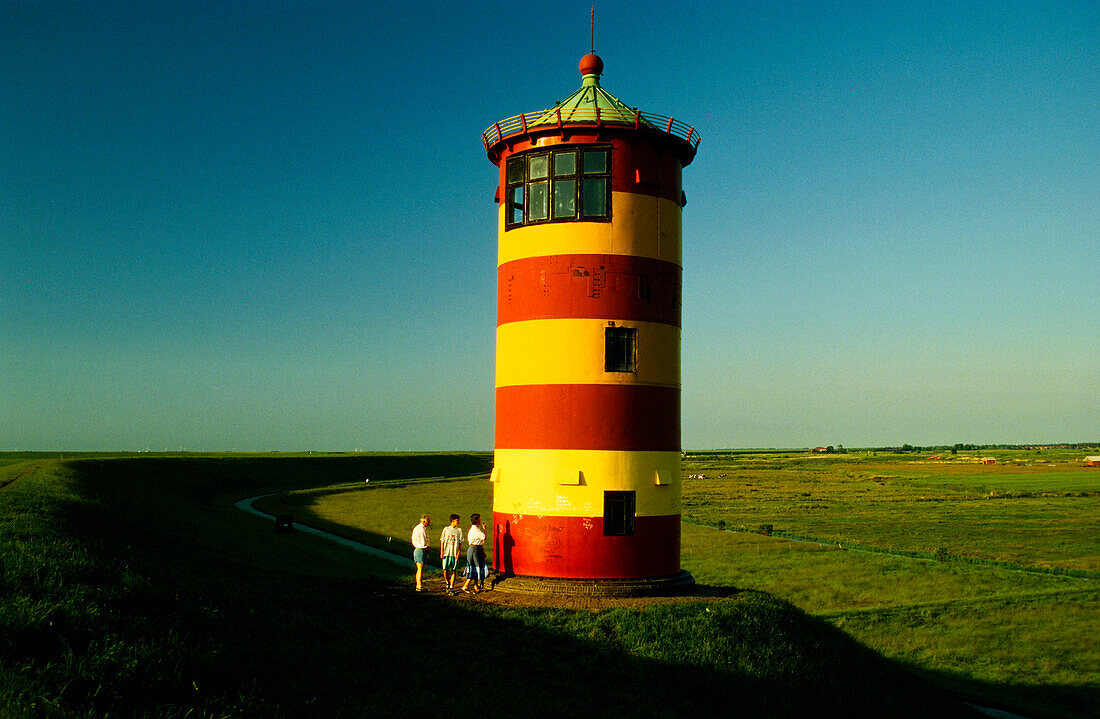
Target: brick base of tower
{"type": "Point", "coordinates": [679, 584]}
{"type": "Point", "coordinates": [576, 548]}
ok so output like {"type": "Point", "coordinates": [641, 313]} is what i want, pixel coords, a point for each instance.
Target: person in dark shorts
{"type": "Point", "coordinates": [476, 569]}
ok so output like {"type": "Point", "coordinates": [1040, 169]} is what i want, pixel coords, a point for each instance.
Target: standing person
{"type": "Point", "coordinates": [420, 548]}
{"type": "Point", "coordinates": [450, 543]}
{"type": "Point", "coordinates": [475, 555]}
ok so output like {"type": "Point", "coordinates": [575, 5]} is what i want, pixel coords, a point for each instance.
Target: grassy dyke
{"type": "Point", "coordinates": [131, 587]}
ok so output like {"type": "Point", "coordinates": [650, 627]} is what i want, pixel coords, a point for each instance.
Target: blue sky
{"type": "Point", "coordinates": [269, 226]}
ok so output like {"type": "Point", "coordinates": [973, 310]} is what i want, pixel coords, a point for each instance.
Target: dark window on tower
{"type": "Point", "coordinates": [538, 170]}
{"type": "Point", "coordinates": [558, 185]}
{"type": "Point", "coordinates": [595, 183]}
{"type": "Point", "coordinates": [618, 514]}
{"type": "Point", "coordinates": [515, 176]}
{"type": "Point", "coordinates": [619, 354]}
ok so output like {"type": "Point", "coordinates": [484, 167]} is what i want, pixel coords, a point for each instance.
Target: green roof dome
{"type": "Point", "coordinates": [583, 104]}
{"type": "Point", "coordinates": [590, 106]}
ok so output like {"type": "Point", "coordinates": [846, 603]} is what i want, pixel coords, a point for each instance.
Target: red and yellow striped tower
{"type": "Point", "coordinates": [587, 450]}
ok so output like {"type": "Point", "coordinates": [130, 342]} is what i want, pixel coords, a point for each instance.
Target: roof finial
{"type": "Point", "coordinates": [591, 65]}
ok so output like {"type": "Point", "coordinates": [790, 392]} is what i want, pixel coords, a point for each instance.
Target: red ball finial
{"type": "Point", "coordinates": [591, 64]}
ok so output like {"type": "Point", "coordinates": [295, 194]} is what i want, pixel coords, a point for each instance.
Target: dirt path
{"type": "Point", "coordinates": [501, 598]}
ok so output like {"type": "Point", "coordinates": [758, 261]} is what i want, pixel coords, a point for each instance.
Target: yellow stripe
{"type": "Point", "coordinates": [544, 481]}
{"type": "Point", "coordinates": [571, 351]}
{"type": "Point", "coordinates": [641, 225]}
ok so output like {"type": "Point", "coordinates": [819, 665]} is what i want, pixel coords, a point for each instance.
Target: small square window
{"type": "Point", "coordinates": [565, 198]}
{"type": "Point", "coordinates": [565, 163]}
{"type": "Point", "coordinates": [618, 514]}
{"type": "Point", "coordinates": [595, 162]}
{"type": "Point", "coordinates": [515, 170]}
{"type": "Point", "coordinates": [619, 353]}
{"type": "Point", "coordinates": [594, 200]}
{"type": "Point", "coordinates": [537, 202]}
{"type": "Point", "coordinates": [538, 167]}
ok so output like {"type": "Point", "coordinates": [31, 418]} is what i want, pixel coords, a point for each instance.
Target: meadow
{"type": "Point", "coordinates": [131, 587]}
{"type": "Point", "coordinates": [981, 578]}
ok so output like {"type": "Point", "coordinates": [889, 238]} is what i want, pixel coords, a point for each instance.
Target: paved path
{"type": "Point", "coordinates": [246, 505]}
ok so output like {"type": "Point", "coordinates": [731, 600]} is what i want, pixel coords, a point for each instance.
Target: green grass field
{"type": "Point", "coordinates": [1040, 517]}
{"type": "Point", "coordinates": [981, 578]}
{"type": "Point", "coordinates": [131, 587]}
{"type": "Point", "coordinates": [974, 620]}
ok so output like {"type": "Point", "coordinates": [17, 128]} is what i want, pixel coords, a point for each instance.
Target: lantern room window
{"type": "Point", "coordinates": [560, 185]}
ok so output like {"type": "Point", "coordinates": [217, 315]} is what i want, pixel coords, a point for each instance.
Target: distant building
{"type": "Point", "coordinates": [1092, 461]}
{"type": "Point", "coordinates": [989, 460]}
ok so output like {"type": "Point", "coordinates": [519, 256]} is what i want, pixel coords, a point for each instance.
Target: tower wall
{"type": "Point", "coordinates": [573, 439]}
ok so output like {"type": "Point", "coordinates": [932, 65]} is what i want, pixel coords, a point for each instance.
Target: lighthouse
{"type": "Point", "coordinates": [586, 477]}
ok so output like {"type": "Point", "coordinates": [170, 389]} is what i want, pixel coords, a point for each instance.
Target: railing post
{"type": "Point", "coordinates": [668, 129]}
{"type": "Point", "coordinates": [691, 132]}
{"type": "Point", "coordinates": [523, 119]}
{"type": "Point", "coordinates": [637, 117]}
{"type": "Point", "coordinates": [499, 135]}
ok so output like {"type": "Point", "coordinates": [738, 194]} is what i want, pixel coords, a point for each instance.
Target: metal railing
{"type": "Point", "coordinates": [554, 117]}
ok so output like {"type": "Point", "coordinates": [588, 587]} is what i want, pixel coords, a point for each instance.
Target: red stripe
{"type": "Point", "coordinates": [646, 168]}
{"type": "Point", "coordinates": [616, 287]}
{"type": "Point", "coordinates": [575, 548]}
{"type": "Point", "coordinates": [588, 416]}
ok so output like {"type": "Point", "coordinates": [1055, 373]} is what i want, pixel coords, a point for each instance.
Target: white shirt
{"type": "Point", "coordinates": [420, 537]}
{"type": "Point", "coordinates": [475, 536]}
{"type": "Point", "coordinates": [450, 540]}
